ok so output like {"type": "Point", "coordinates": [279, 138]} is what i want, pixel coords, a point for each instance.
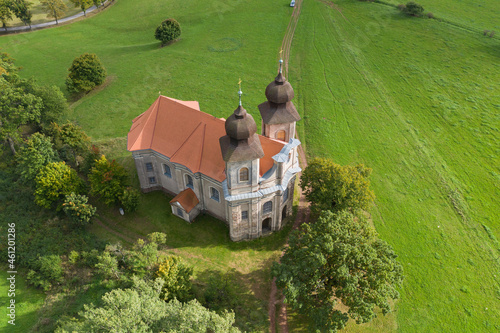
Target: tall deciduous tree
{"type": "Point", "coordinates": [33, 156]}
{"type": "Point", "coordinates": [70, 141]}
{"type": "Point", "coordinates": [330, 186]}
{"type": "Point", "coordinates": [5, 13]}
{"type": "Point", "coordinates": [54, 8]}
{"type": "Point", "coordinates": [21, 9]}
{"type": "Point", "coordinates": [177, 277]}
{"type": "Point", "coordinates": [83, 4]}
{"type": "Point", "coordinates": [77, 208]}
{"type": "Point", "coordinates": [16, 108]}
{"type": "Point", "coordinates": [139, 309]}
{"type": "Point", "coordinates": [54, 182]}
{"type": "Point", "coordinates": [340, 258]}
{"type": "Point", "coordinates": [108, 180]}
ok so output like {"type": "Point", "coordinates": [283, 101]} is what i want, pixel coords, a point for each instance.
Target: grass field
{"type": "Point", "coordinates": [40, 16]}
{"type": "Point", "coordinates": [417, 100]}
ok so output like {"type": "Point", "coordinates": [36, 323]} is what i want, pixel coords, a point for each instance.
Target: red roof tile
{"type": "Point", "coordinates": [187, 199]}
{"type": "Point", "coordinates": [188, 136]}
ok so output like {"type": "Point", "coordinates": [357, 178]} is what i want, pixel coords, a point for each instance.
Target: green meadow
{"type": "Point", "coordinates": [417, 100]}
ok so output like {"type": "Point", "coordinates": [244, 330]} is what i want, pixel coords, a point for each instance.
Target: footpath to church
{"type": "Point", "coordinates": [48, 24]}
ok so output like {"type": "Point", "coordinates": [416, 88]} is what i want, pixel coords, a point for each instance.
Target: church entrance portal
{"type": "Point", "coordinates": [266, 225]}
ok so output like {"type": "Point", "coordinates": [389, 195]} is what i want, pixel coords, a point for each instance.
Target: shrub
{"type": "Point", "coordinates": [492, 33]}
{"type": "Point", "coordinates": [401, 7]}
{"type": "Point", "coordinates": [107, 180]}
{"type": "Point", "coordinates": [130, 199]}
{"type": "Point", "coordinates": [85, 73]}
{"type": "Point", "coordinates": [167, 31]}
{"type": "Point", "coordinates": [413, 9]}
{"type": "Point", "coordinates": [430, 15]}
{"type": "Point", "coordinates": [78, 210]}
{"type": "Point", "coordinates": [485, 32]}
{"type": "Point", "coordinates": [46, 270]}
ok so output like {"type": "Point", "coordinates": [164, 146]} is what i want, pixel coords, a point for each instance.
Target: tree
{"type": "Point", "coordinates": [54, 8]}
{"type": "Point", "coordinates": [107, 180]}
{"type": "Point", "coordinates": [21, 9]}
{"type": "Point", "coordinates": [139, 309]}
{"type": "Point", "coordinates": [46, 270]}
{"type": "Point", "coordinates": [167, 31]}
{"type": "Point", "coordinates": [338, 258]}
{"type": "Point", "coordinates": [54, 182]}
{"type": "Point", "coordinates": [176, 276]}
{"type": "Point", "coordinates": [70, 141]}
{"type": "Point", "coordinates": [54, 104]}
{"type": "Point", "coordinates": [83, 4]}
{"type": "Point", "coordinates": [86, 72]}
{"type": "Point", "coordinates": [329, 186]}
{"type": "Point", "coordinates": [5, 13]}
{"type": "Point", "coordinates": [16, 108]}
{"type": "Point", "coordinates": [32, 157]}
{"type": "Point", "coordinates": [130, 199]}
{"type": "Point", "coordinates": [413, 9]}
{"type": "Point", "coordinates": [77, 208]}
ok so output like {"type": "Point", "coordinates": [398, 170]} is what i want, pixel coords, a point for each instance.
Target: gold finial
{"type": "Point", "coordinates": [239, 91]}
{"type": "Point", "coordinates": [281, 51]}
{"type": "Point", "coordinates": [159, 92]}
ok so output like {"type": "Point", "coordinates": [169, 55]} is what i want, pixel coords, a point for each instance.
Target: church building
{"type": "Point", "coordinates": [221, 167]}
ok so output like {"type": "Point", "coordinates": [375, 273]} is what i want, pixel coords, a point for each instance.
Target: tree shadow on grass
{"type": "Point", "coordinates": [247, 294]}
{"type": "Point", "coordinates": [139, 47]}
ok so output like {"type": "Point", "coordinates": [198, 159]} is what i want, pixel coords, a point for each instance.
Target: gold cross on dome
{"type": "Point", "coordinates": [281, 51]}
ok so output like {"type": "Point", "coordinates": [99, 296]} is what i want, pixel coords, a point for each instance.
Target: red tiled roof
{"type": "Point", "coordinates": [188, 136]}
{"type": "Point", "coordinates": [187, 199]}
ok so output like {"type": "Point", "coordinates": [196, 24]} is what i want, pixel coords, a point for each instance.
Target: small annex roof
{"type": "Point", "coordinates": [188, 136]}
{"type": "Point", "coordinates": [187, 199]}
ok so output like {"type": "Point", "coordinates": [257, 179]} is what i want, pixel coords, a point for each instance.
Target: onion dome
{"type": "Point", "coordinates": [241, 143]}
{"type": "Point", "coordinates": [279, 108]}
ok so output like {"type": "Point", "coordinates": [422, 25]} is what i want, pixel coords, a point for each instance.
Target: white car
{"type": "Point", "coordinates": [292, 4]}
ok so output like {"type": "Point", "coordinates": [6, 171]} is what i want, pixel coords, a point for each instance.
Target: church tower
{"type": "Point", "coordinates": [241, 150]}
{"type": "Point", "coordinates": [278, 113]}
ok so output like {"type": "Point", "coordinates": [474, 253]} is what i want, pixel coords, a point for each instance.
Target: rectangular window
{"type": "Point", "coordinates": [244, 215]}
{"type": "Point", "coordinates": [166, 171]}
{"type": "Point", "coordinates": [152, 180]}
{"type": "Point", "coordinates": [149, 166]}
{"type": "Point", "coordinates": [179, 212]}
{"type": "Point", "coordinates": [189, 182]}
{"type": "Point", "coordinates": [214, 194]}
{"type": "Point", "coordinates": [285, 195]}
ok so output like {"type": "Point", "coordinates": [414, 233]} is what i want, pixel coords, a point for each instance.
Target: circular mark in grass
{"type": "Point", "coordinates": [226, 44]}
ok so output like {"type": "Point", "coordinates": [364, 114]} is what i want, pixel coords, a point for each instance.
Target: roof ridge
{"type": "Point", "coordinates": [156, 118]}
{"type": "Point", "coordinates": [187, 139]}
{"type": "Point", "coordinates": [202, 145]}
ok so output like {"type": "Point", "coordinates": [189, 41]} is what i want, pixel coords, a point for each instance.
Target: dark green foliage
{"type": "Point", "coordinates": [339, 257]}
{"type": "Point", "coordinates": [108, 180]}
{"type": "Point", "coordinates": [71, 142]}
{"type": "Point", "coordinates": [168, 30]}
{"type": "Point", "coordinates": [220, 293]}
{"type": "Point", "coordinates": [85, 73]}
{"type": "Point", "coordinates": [54, 182]}
{"type": "Point", "coordinates": [47, 270]}
{"type": "Point", "coordinates": [130, 199]}
{"type": "Point", "coordinates": [330, 186]}
{"type": "Point", "coordinates": [33, 156]}
{"type": "Point", "coordinates": [77, 209]}
{"type": "Point", "coordinates": [139, 309]}
{"type": "Point", "coordinates": [54, 104]}
{"type": "Point", "coordinates": [413, 9]}
{"type": "Point", "coordinates": [177, 279]}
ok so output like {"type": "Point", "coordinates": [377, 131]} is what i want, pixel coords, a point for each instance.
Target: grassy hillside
{"type": "Point", "coordinates": [418, 101]}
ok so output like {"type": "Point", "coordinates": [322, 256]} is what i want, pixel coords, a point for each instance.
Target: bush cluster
{"type": "Point", "coordinates": [167, 31]}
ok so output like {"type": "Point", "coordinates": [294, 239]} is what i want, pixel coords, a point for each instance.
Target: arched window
{"type": "Point", "coordinates": [285, 195]}
{"type": "Point", "coordinates": [166, 171]}
{"type": "Point", "coordinates": [243, 174]}
{"type": "Point", "coordinates": [214, 194]}
{"type": "Point", "coordinates": [268, 207]}
{"type": "Point", "coordinates": [280, 135]}
{"type": "Point", "coordinates": [189, 182]}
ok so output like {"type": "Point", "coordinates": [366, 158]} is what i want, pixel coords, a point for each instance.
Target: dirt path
{"type": "Point", "coordinates": [303, 212]}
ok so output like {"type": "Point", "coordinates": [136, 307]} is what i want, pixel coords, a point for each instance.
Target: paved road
{"type": "Point", "coordinates": [48, 24]}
